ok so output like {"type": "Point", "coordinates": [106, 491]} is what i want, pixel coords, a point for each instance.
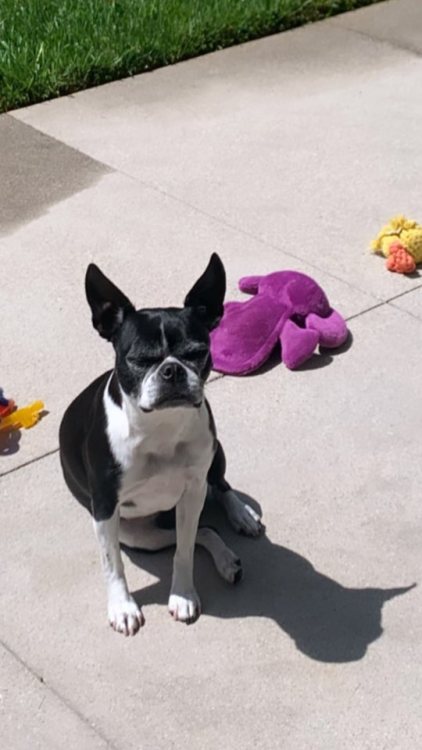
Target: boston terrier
{"type": "Point", "coordinates": [138, 446]}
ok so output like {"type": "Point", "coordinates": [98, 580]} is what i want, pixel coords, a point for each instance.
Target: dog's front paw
{"type": "Point", "coordinates": [185, 608]}
{"type": "Point", "coordinates": [125, 616]}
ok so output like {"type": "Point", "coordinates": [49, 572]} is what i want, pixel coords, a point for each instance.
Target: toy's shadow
{"type": "Point", "coordinates": [327, 621]}
{"type": "Point", "coordinates": [9, 441]}
{"type": "Point", "coordinates": [324, 357]}
{"type": "Point", "coordinates": [321, 358]}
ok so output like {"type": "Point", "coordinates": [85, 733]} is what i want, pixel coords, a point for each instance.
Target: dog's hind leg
{"type": "Point", "coordinates": [243, 518]}
{"type": "Point", "coordinates": [226, 561]}
{"type": "Point", "coordinates": [145, 534]}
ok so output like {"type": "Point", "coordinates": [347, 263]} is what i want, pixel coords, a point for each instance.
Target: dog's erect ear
{"type": "Point", "coordinates": [207, 296]}
{"type": "Point", "coordinates": [108, 304]}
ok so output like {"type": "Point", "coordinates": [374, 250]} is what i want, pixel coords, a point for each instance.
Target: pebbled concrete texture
{"type": "Point", "coordinates": [32, 715]}
{"type": "Point", "coordinates": [289, 152]}
{"type": "Point", "coordinates": [305, 647]}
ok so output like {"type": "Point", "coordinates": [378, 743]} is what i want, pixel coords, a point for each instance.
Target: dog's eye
{"type": "Point", "coordinates": [195, 354]}
{"type": "Point", "coordinates": [141, 364]}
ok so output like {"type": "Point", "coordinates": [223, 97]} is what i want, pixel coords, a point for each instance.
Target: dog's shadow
{"type": "Point", "coordinates": [327, 621]}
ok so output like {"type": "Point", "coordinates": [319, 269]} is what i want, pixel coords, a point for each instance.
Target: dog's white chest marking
{"type": "Point", "coordinates": [160, 455]}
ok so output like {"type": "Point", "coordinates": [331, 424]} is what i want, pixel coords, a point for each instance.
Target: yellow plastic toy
{"type": "Point", "coordinates": [25, 417]}
{"type": "Point", "coordinates": [400, 242]}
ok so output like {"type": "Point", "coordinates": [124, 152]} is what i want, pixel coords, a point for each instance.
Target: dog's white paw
{"type": "Point", "coordinates": [125, 616]}
{"type": "Point", "coordinates": [229, 566]}
{"type": "Point", "coordinates": [185, 608]}
{"type": "Point", "coordinates": [243, 518]}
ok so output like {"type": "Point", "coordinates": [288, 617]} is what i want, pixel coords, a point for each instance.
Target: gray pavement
{"type": "Point", "coordinates": [288, 152]}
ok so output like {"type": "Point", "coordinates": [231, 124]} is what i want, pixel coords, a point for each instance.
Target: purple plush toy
{"type": "Point", "coordinates": [288, 307]}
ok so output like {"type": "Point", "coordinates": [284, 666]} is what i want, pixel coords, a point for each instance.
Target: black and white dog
{"type": "Point", "coordinates": [138, 446]}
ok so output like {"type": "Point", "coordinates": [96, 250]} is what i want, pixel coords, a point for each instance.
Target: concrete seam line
{"type": "Point", "coordinates": [367, 310]}
{"type": "Point", "coordinates": [387, 303]}
{"type": "Point", "coordinates": [214, 378]}
{"type": "Point", "coordinates": [378, 40]}
{"type": "Point", "coordinates": [412, 315]}
{"type": "Point", "coordinates": [68, 704]}
{"type": "Point", "coordinates": [403, 294]}
{"type": "Point", "coordinates": [28, 463]}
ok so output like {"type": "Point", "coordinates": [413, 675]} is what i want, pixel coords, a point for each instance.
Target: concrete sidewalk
{"type": "Point", "coordinates": [288, 152]}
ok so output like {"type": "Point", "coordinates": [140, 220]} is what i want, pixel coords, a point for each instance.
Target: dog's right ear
{"type": "Point", "coordinates": [109, 306]}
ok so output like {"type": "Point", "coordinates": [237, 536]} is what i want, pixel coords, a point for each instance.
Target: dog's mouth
{"type": "Point", "coordinates": [174, 401]}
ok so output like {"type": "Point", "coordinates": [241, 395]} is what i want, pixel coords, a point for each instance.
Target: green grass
{"type": "Point", "coordinates": [54, 47]}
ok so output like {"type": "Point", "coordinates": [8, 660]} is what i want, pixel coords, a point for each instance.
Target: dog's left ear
{"type": "Point", "coordinates": [207, 296]}
{"type": "Point", "coordinates": [109, 306]}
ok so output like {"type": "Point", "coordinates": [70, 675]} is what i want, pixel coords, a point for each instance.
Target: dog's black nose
{"type": "Point", "coordinates": [172, 372]}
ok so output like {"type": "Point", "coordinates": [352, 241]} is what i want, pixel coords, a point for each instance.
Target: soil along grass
{"type": "Point", "coordinates": [54, 47]}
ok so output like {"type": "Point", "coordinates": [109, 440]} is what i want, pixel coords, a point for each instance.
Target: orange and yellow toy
{"type": "Point", "coordinates": [6, 406]}
{"type": "Point", "coordinates": [400, 242]}
{"type": "Point", "coordinates": [25, 417]}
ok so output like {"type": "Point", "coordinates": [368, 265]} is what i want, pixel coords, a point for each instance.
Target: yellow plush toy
{"type": "Point", "coordinates": [400, 242]}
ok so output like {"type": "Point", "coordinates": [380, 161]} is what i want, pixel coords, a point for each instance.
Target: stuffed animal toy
{"type": "Point", "coordinates": [287, 307]}
{"type": "Point", "coordinates": [400, 242]}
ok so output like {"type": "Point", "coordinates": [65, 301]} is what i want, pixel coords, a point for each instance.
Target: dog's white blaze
{"type": "Point", "coordinates": [160, 453]}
